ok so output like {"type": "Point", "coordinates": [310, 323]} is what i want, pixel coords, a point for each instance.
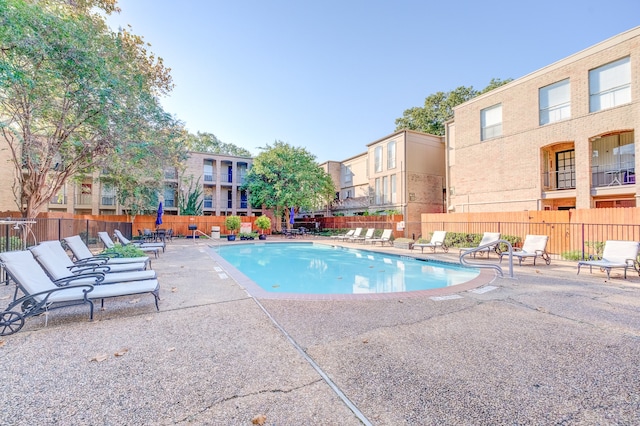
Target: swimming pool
{"type": "Point", "coordinates": [323, 269]}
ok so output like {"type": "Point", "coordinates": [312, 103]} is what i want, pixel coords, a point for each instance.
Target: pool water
{"type": "Point", "coordinates": [307, 268]}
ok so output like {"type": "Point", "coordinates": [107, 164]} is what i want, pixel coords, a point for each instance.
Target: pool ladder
{"type": "Point", "coordinates": [495, 266]}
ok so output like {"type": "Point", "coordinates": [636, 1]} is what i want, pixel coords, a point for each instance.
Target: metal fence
{"type": "Point", "coordinates": [566, 240]}
{"type": "Point", "coordinates": [16, 234]}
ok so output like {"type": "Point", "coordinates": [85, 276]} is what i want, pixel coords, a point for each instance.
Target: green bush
{"type": "Point", "coordinates": [15, 243]}
{"type": "Point", "coordinates": [129, 250]}
{"type": "Point", "coordinates": [572, 255]}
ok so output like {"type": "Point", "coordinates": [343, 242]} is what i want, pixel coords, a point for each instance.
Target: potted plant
{"type": "Point", "coordinates": [232, 223]}
{"type": "Point", "coordinates": [263, 223]}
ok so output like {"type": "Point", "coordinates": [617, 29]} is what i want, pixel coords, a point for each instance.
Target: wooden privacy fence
{"type": "Point", "coordinates": [580, 231]}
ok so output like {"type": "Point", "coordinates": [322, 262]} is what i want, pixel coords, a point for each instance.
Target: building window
{"type": "Point", "coordinates": [613, 160]}
{"type": "Point", "coordinates": [491, 122]}
{"type": "Point", "coordinates": [566, 165]}
{"type": "Point", "coordinates": [378, 159]}
{"type": "Point", "coordinates": [378, 191]}
{"type": "Point", "coordinates": [208, 170]}
{"type": "Point", "coordinates": [391, 155]}
{"type": "Point", "coordinates": [385, 190]}
{"type": "Point", "coordinates": [394, 197]}
{"type": "Point", "coordinates": [348, 175]}
{"type": "Point", "coordinates": [555, 102]}
{"type": "Point", "coordinates": [610, 85]}
{"type": "Point", "coordinates": [169, 196]}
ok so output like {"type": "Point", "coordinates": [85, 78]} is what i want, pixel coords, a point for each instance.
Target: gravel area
{"type": "Point", "coordinates": [547, 347]}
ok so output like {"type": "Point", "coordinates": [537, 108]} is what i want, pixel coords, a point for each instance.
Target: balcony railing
{"type": "Point", "coordinates": [207, 204]}
{"type": "Point", "coordinates": [83, 199]}
{"type": "Point", "coordinates": [558, 180]}
{"type": "Point", "coordinates": [171, 174]}
{"type": "Point", "coordinates": [58, 199]}
{"type": "Point", "coordinates": [208, 177]}
{"type": "Point", "coordinates": [108, 200]}
{"type": "Point", "coordinates": [612, 175]}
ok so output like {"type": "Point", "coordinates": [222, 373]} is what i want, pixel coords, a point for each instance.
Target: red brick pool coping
{"type": "Point", "coordinates": [484, 278]}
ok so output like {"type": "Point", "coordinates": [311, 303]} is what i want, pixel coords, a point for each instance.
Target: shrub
{"type": "Point", "coordinates": [124, 251]}
{"type": "Point", "coordinates": [15, 243]}
{"type": "Point", "coordinates": [232, 223]}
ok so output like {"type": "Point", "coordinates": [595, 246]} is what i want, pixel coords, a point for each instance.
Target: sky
{"type": "Point", "coordinates": [333, 75]}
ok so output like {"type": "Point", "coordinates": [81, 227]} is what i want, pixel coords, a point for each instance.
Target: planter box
{"type": "Point", "coordinates": [407, 245]}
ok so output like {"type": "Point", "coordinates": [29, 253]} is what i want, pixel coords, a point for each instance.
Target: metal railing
{"type": "Point", "coordinates": [495, 266]}
{"type": "Point", "coordinates": [15, 238]}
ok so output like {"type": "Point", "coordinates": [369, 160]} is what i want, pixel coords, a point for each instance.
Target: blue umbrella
{"type": "Point", "coordinates": [159, 218]}
{"type": "Point", "coordinates": [291, 215]}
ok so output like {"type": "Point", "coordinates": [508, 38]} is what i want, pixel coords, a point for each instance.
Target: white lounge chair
{"type": "Point", "coordinates": [487, 239]}
{"type": "Point", "coordinates": [367, 236]}
{"type": "Point", "coordinates": [348, 234]}
{"type": "Point", "coordinates": [81, 253]}
{"type": "Point", "coordinates": [125, 241]}
{"type": "Point", "coordinates": [53, 262]}
{"type": "Point", "coordinates": [534, 246]}
{"type": "Point", "coordinates": [355, 235]}
{"type": "Point", "coordinates": [108, 243]}
{"type": "Point", "coordinates": [437, 240]}
{"type": "Point", "coordinates": [384, 238]}
{"type": "Point", "coordinates": [41, 294]}
{"type": "Point", "coordinates": [60, 255]}
{"type": "Point", "coordinates": [616, 254]}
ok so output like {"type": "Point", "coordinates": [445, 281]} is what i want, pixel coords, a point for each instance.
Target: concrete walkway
{"type": "Point", "coordinates": [547, 347]}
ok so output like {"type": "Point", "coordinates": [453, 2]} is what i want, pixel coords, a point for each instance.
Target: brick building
{"type": "Point", "coordinates": [561, 137]}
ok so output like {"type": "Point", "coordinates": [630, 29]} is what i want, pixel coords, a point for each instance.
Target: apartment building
{"type": "Point", "coordinates": [220, 178]}
{"type": "Point", "coordinates": [561, 137]}
{"type": "Point", "coordinates": [402, 172]}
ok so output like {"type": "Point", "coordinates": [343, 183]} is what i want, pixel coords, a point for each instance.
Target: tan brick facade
{"type": "Point", "coordinates": [561, 164]}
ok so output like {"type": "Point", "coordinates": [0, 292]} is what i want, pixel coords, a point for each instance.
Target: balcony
{"type": "Point", "coordinates": [58, 200]}
{"type": "Point", "coordinates": [208, 177]}
{"type": "Point", "coordinates": [83, 199]}
{"type": "Point", "coordinates": [604, 175]}
{"type": "Point", "coordinates": [108, 200]}
{"type": "Point", "coordinates": [171, 174]}
{"type": "Point", "coordinates": [559, 180]}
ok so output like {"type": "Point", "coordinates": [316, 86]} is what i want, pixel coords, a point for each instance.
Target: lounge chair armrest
{"type": "Point", "coordinates": [89, 267]}
{"type": "Point", "coordinates": [95, 260]}
{"type": "Point", "coordinates": [66, 281]}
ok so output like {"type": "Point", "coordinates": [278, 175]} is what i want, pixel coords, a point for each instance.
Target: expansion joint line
{"type": "Point", "coordinates": [316, 367]}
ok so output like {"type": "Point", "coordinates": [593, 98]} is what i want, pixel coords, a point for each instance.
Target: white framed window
{"type": "Point", "coordinates": [347, 175]}
{"type": "Point", "coordinates": [491, 122]}
{"type": "Point", "coordinates": [378, 191]}
{"type": "Point", "coordinates": [555, 102]}
{"type": "Point", "coordinates": [385, 190]}
{"type": "Point", "coordinates": [378, 159]}
{"type": "Point", "coordinates": [610, 85]}
{"type": "Point", "coordinates": [391, 155]}
{"type": "Point", "coordinates": [394, 196]}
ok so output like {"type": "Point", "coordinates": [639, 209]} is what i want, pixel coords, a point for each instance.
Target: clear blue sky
{"type": "Point", "coordinates": [333, 75]}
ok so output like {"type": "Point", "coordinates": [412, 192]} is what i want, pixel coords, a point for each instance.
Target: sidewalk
{"type": "Point", "coordinates": [546, 347]}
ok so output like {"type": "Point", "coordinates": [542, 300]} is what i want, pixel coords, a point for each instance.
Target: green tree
{"type": "Point", "coordinates": [284, 176]}
{"type": "Point", "coordinates": [73, 93]}
{"type": "Point", "coordinates": [208, 142]}
{"type": "Point", "coordinates": [438, 108]}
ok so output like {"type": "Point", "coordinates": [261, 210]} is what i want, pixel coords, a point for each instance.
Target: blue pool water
{"type": "Point", "coordinates": [325, 269]}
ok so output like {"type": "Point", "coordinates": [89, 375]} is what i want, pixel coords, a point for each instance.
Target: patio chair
{"type": "Point", "coordinates": [54, 260]}
{"type": "Point", "coordinates": [41, 294]}
{"type": "Point", "coordinates": [108, 243]}
{"type": "Point", "coordinates": [60, 255]}
{"type": "Point", "coordinates": [348, 234]}
{"type": "Point", "coordinates": [616, 254]}
{"type": "Point", "coordinates": [437, 240]}
{"type": "Point", "coordinates": [367, 236]}
{"type": "Point", "coordinates": [488, 243]}
{"type": "Point", "coordinates": [125, 241]}
{"type": "Point", "coordinates": [81, 253]}
{"type": "Point", "coordinates": [384, 238]}
{"type": "Point", "coordinates": [534, 246]}
{"type": "Point", "coordinates": [356, 234]}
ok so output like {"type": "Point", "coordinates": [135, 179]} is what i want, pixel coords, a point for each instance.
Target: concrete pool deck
{"type": "Point", "coordinates": [547, 347]}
